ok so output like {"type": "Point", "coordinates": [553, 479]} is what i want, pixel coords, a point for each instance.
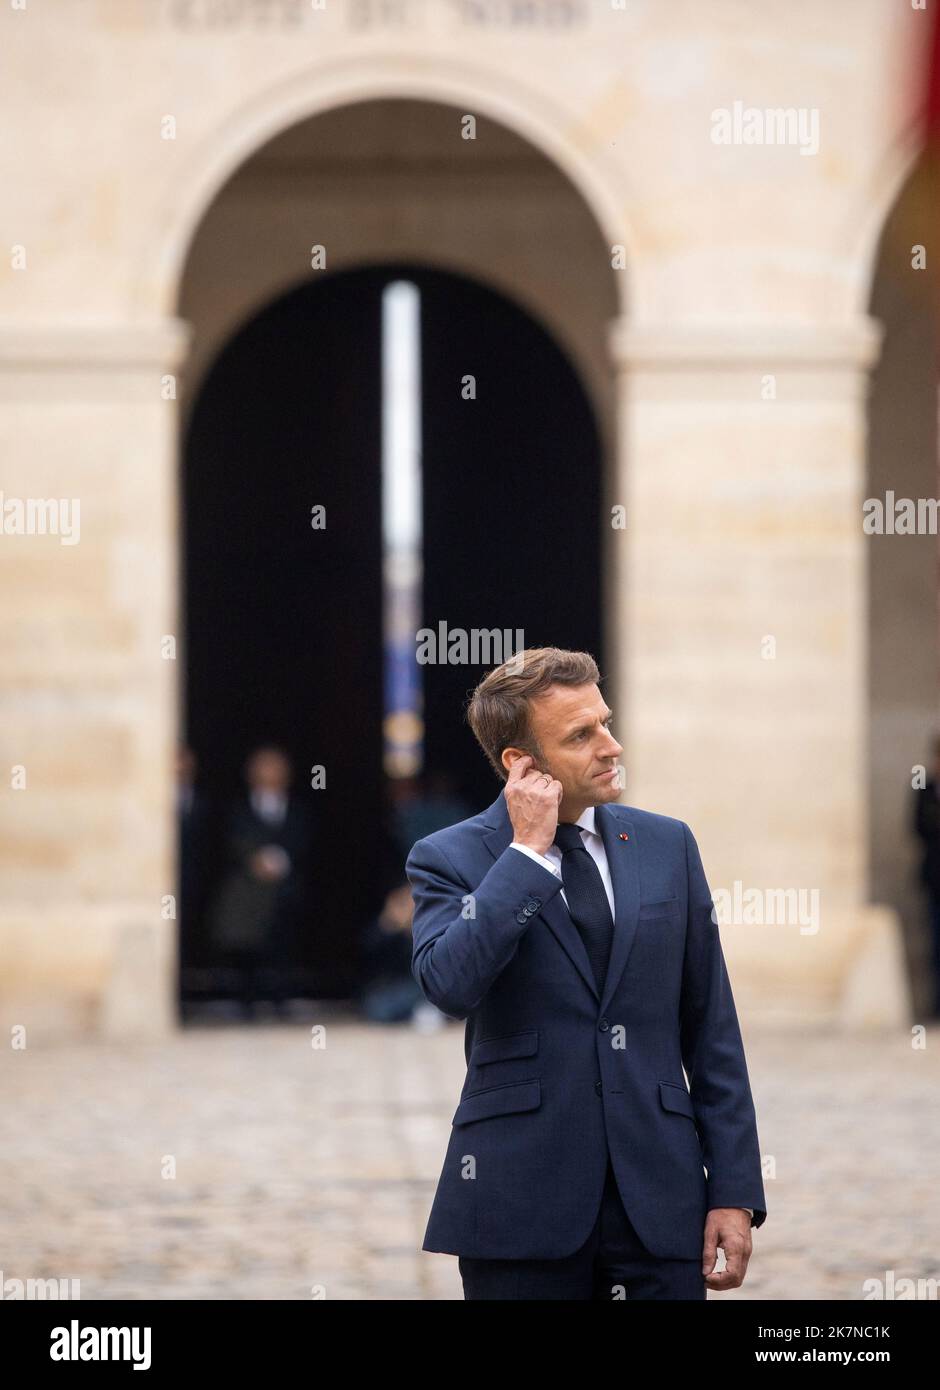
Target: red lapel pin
{"type": "Point", "coordinates": [624, 835]}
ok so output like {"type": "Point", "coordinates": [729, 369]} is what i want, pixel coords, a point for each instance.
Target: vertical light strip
{"type": "Point", "coordinates": [403, 713]}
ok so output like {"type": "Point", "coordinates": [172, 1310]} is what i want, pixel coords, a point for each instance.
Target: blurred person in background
{"type": "Point", "coordinates": [927, 828]}
{"type": "Point", "coordinates": [421, 805]}
{"type": "Point", "coordinates": [389, 992]}
{"type": "Point", "coordinates": [258, 906]}
{"type": "Point", "coordinates": [192, 824]}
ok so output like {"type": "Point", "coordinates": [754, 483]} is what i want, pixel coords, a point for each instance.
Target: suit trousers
{"type": "Point", "coordinates": [613, 1264]}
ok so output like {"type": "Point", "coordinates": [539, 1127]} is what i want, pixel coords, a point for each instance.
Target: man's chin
{"type": "Point", "coordinates": [605, 788]}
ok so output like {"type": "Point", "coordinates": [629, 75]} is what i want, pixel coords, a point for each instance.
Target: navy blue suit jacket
{"type": "Point", "coordinates": [557, 1072]}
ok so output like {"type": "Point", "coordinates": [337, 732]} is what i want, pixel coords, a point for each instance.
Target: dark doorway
{"type": "Point", "coordinates": [283, 621]}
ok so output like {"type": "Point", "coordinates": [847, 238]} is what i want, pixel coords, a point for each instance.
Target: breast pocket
{"type": "Point", "coordinates": [667, 907]}
{"type": "Point", "coordinates": [660, 936]}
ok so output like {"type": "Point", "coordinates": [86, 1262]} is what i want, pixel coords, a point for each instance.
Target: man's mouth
{"type": "Point", "coordinates": [608, 772]}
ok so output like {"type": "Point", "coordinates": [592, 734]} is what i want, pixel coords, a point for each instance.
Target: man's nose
{"type": "Point", "coordinates": [614, 749]}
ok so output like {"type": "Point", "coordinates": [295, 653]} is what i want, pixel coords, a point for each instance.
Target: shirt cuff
{"type": "Point", "coordinates": [539, 858]}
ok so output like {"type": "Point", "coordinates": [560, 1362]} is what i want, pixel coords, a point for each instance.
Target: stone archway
{"type": "Point", "coordinates": [88, 934]}
{"type": "Point", "coordinates": [394, 179]}
{"type": "Point", "coordinates": [180, 205]}
{"type": "Point", "coordinates": [389, 179]}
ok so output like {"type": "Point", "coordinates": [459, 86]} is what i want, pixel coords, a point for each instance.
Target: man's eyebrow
{"type": "Point", "coordinates": [578, 727]}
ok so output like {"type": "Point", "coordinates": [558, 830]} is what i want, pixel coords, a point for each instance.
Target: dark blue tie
{"type": "Point", "coordinates": [587, 899]}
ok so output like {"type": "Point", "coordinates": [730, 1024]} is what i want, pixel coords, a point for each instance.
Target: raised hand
{"type": "Point", "coordinates": [532, 798]}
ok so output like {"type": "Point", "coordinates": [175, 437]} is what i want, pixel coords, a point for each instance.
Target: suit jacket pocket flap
{"type": "Point", "coordinates": [669, 907]}
{"type": "Point", "coordinates": [676, 1098]}
{"type": "Point", "coordinates": [503, 1049]}
{"type": "Point", "coordinates": [498, 1100]}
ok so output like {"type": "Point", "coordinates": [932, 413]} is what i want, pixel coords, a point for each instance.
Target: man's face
{"type": "Point", "coordinates": [570, 724]}
{"type": "Point", "coordinates": [268, 770]}
{"type": "Point", "coordinates": [185, 765]}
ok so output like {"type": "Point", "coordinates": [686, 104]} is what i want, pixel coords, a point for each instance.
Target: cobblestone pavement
{"type": "Point", "coordinates": [300, 1168]}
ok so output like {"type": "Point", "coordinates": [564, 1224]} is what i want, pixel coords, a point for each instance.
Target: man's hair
{"type": "Point", "coordinates": [498, 710]}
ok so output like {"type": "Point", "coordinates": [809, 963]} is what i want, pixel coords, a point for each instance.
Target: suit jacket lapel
{"type": "Point", "coordinates": [554, 914]}
{"type": "Point", "coordinates": [625, 877]}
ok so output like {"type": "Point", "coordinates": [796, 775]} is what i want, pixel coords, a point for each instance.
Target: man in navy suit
{"type": "Point", "coordinates": [577, 939]}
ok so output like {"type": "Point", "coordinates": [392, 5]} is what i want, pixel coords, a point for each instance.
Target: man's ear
{"type": "Point", "coordinates": [510, 755]}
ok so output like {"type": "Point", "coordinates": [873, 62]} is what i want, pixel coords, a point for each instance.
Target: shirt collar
{"type": "Point", "coordinates": [586, 820]}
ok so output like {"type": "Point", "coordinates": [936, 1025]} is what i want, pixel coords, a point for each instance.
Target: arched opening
{"type": "Point", "coordinates": [904, 640]}
{"type": "Point", "coordinates": [282, 411]}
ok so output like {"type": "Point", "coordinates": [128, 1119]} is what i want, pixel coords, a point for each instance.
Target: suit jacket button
{"type": "Point", "coordinates": [522, 918]}
{"type": "Point", "coordinates": [598, 1087]}
{"type": "Point", "coordinates": [533, 905]}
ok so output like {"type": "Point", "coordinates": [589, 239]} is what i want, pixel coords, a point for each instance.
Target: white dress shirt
{"type": "Point", "coordinates": [269, 805]}
{"type": "Point", "coordinates": [593, 842]}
